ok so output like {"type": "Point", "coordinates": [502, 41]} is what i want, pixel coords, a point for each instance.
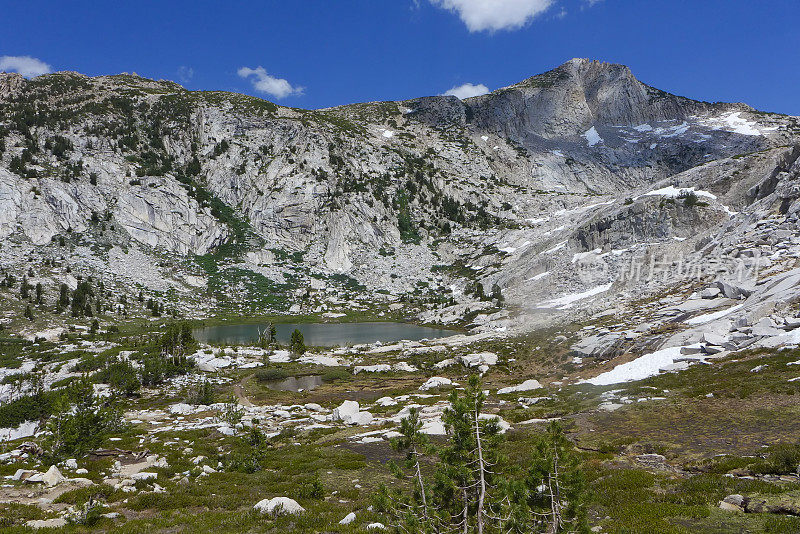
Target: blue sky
{"type": "Point", "coordinates": [318, 53]}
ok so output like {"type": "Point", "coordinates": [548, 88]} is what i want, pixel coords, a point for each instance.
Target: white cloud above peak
{"type": "Point", "coordinates": [28, 66]}
{"type": "Point", "coordinates": [185, 74]}
{"type": "Point", "coordinates": [265, 83]}
{"type": "Point", "coordinates": [467, 90]}
{"type": "Point", "coordinates": [494, 15]}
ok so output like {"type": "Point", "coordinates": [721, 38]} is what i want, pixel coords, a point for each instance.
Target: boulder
{"type": "Point", "coordinates": [735, 289]}
{"type": "Point", "coordinates": [766, 331]}
{"type": "Point", "coordinates": [433, 427]}
{"type": "Point", "coordinates": [596, 346]}
{"type": "Point", "coordinates": [711, 338]}
{"type": "Point", "coordinates": [226, 430]}
{"type": "Point", "coordinates": [181, 408]}
{"type": "Point", "coordinates": [712, 349]}
{"type": "Point", "coordinates": [378, 368]}
{"type": "Point", "coordinates": [53, 477]}
{"type": "Point", "coordinates": [791, 322]}
{"type": "Point", "coordinates": [360, 418]}
{"type": "Point", "coordinates": [741, 322]}
{"type": "Point", "coordinates": [378, 526]}
{"type": "Point", "coordinates": [435, 382]}
{"type": "Point", "coordinates": [386, 401]}
{"type": "Point", "coordinates": [345, 410]}
{"type": "Point", "coordinates": [57, 522]}
{"type": "Point", "coordinates": [444, 363]}
{"type": "Point", "coordinates": [652, 460]}
{"type": "Point", "coordinates": [528, 385]}
{"type": "Point", "coordinates": [279, 506]}
{"type": "Point", "coordinates": [22, 474]}
{"type": "Point", "coordinates": [710, 293]}
{"type": "Point", "coordinates": [349, 518]}
{"type": "Point", "coordinates": [765, 322]}
{"type": "Point", "coordinates": [733, 503]}
{"type": "Point", "coordinates": [692, 349]}
{"type": "Point", "coordinates": [478, 359]}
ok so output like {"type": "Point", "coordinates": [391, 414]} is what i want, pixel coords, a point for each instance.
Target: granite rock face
{"type": "Point", "coordinates": [550, 189]}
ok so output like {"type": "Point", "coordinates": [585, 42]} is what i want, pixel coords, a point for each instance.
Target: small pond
{"type": "Point", "coordinates": [322, 334]}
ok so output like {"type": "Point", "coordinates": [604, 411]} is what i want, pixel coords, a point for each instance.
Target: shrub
{"type": "Point", "coordinates": [27, 408]}
{"type": "Point", "coordinates": [782, 459]}
{"type": "Point", "coordinates": [202, 394]}
{"type": "Point", "coordinates": [157, 368]}
{"type": "Point", "coordinates": [79, 429]}
{"type": "Point", "coordinates": [337, 373]}
{"type": "Point", "coordinates": [122, 376]}
{"type": "Point", "coordinates": [311, 489]}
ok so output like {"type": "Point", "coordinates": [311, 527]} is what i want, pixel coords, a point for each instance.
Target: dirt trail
{"type": "Point", "coordinates": [238, 390]}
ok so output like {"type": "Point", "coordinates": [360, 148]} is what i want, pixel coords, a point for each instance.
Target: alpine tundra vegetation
{"type": "Point", "coordinates": [612, 271]}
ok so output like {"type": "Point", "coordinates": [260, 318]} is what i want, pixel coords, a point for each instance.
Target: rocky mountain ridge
{"type": "Point", "coordinates": [419, 201]}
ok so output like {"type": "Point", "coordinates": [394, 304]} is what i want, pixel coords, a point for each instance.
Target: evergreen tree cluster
{"type": "Point", "coordinates": [474, 488]}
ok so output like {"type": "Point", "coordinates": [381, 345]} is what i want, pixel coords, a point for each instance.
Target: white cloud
{"type": "Point", "coordinates": [493, 15]}
{"type": "Point", "coordinates": [185, 74]}
{"type": "Point", "coordinates": [28, 66]}
{"type": "Point", "coordinates": [467, 90]}
{"type": "Point", "coordinates": [264, 83]}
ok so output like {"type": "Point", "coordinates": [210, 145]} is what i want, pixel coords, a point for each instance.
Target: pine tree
{"type": "Point", "coordinates": [297, 344]}
{"type": "Point", "coordinates": [415, 511]}
{"type": "Point", "coordinates": [23, 289]}
{"type": "Point", "coordinates": [193, 168]}
{"type": "Point", "coordinates": [556, 484]}
{"type": "Point", "coordinates": [63, 298]}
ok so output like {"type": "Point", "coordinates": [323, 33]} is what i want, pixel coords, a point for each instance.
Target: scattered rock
{"type": "Point", "coordinates": [710, 293]}
{"type": "Point", "coordinates": [345, 410]}
{"type": "Point", "coordinates": [435, 382]}
{"type": "Point", "coordinates": [53, 477]}
{"type": "Point", "coordinates": [22, 474]}
{"type": "Point", "coordinates": [58, 522]}
{"type": "Point", "coordinates": [478, 359]}
{"type": "Point", "coordinates": [733, 503]}
{"type": "Point", "coordinates": [349, 518]}
{"type": "Point", "coordinates": [528, 385]}
{"type": "Point", "coordinates": [279, 506]}
{"type": "Point", "coordinates": [734, 289]}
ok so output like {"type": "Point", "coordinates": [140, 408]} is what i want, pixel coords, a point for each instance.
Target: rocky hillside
{"type": "Point", "coordinates": [620, 264]}
{"type": "Point", "coordinates": [225, 201]}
